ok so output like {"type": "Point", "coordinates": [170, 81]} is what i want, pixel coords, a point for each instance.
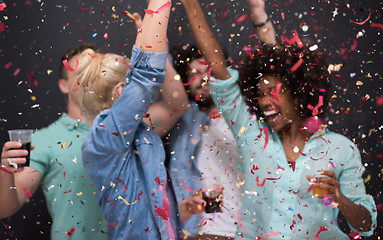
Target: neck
{"type": "Point", "coordinates": [294, 134]}
{"type": "Point", "coordinates": [74, 112]}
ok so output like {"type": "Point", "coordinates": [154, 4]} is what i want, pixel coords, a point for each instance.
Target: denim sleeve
{"type": "Point", "coordinates": [115, 131]}
{"type": "Point", "coordinates": [352, 186]}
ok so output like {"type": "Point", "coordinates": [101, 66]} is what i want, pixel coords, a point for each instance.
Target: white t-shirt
{"type": "Point", "coordinates": [218, 157]}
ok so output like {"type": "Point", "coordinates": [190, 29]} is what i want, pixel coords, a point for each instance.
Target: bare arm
{"type": "Point", "coordinates": [263, 26]}
{"type": "Point", "coordinates": [173, 105]}
{"type": "Point", "coordinates": [13, 182]}
{"type": "Point", "coordinates": [358, 216]}
{"type": "Point", "coordinates": [164, 114]}
{"type": "Point", "coordinates": [206, 41]}
{"type": "Point", "coordinates": [152, 35]}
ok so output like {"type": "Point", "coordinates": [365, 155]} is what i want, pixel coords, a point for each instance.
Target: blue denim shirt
{"type": "Point", "coordinates": [184, 141]}
{"type": "Point", "coordinates": [125, 158]}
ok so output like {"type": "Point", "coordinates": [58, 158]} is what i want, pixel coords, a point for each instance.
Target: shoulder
{"type": "Point", "coordinates": [48, 132]}
{"type": "Point", "coordinates": [338, 140]}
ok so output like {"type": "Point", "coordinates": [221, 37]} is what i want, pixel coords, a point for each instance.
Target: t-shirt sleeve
{"type": "Point", "coordinates": [352, 186]}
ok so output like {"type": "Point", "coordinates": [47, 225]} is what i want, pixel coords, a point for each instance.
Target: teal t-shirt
{"type": "Point", "coordinates": [69, 191]}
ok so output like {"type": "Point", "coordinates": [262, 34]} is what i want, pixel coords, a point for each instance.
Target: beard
{"type": "Point", "coordinates": [205, 103]}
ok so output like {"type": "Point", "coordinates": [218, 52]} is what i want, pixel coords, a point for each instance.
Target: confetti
{"type": "Point", "coordinates": [126, 202]}
{"type": "Point", "coordinates": [377, 25]}
{"type": "Point", "coordinates": [162, 213]}
{"type": "Point", "coordinates": [315, 109]}
{"type": "Point", "coordinates": [363, 22]}
{"type": "Point", "coordinates": [321, 229]}
{"type": "Point", "coordinates": [241, 18]}
{"type": "Point", "coordinates": [296, 65]}
{"type": "Point", "coordinates": [27, 192]}
{"type": "Point", "coordinates": [122, 182]}
{"type": "Point", "coordinates": [162, 8]}
{"type": "Point", "coordinates": [266, 130]}
{"type": "Point", "coordinates": [68, 67]}
{"type": "Point", "coordinates": [327, 204]}
{"type": "Point", "coordinates": [193, 191]}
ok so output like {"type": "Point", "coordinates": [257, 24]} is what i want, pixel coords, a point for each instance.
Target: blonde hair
{"type": "Point", "coordinates": [97, 75]}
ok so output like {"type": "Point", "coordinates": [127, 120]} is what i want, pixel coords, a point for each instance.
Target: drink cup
{"type": "Point", "coordinates": [317, 190]}
{"type": "Point", "coordinates": [213, 198]}
{"type": "Point", "coordinates": [212, 193]}
{"type": "Point", "coordinates": [24, 136]}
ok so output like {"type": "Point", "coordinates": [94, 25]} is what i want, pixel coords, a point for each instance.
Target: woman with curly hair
{"type": "Point", "coordinates": [298, 175]}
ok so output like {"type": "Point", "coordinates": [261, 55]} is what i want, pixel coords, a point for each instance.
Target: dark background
{"type": "Point", "coordinates": [37, 32]}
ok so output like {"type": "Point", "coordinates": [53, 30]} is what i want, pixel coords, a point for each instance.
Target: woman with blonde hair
{"type": "Point", "coordinates": [123, 151]}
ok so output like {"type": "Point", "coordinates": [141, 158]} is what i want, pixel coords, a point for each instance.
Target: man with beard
{"type": "Point", "coordinates": [202, 149]}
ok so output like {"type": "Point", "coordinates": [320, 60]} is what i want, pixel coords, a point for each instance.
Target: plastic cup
{"type": "Point", "coordinates": [212, 193]}
{"type": "Point", "coordinates": [23, 136]}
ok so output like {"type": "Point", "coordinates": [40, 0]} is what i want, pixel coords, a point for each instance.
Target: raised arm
{"type": "Point", "coordinates": [152, 35]}
{"type": "Point", "coordinates": [174, 103]}
{"type": "Point", "coordinates": [165, 113]}
{"type": "Point", "coordinates": [263, 25]}
{"type": "Point", "coordinates": [206, 41]}
{"type": "Point", "coordinates": [12, 182]}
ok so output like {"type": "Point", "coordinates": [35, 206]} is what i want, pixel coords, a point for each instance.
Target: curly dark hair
{"type": "Point", "coordinates": [182, 56]}
{"type": "Point", "coordinates": [63, 73]}
{"type": "Point", "coordinates": [303, 71]}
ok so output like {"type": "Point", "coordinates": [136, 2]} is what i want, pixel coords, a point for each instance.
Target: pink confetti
{"type": "Point", "coordinates": [275, 92]}
{"type": "Point", "coordinates": [266, 137]}
{"type": "Point", "coordinates": [162, 212]}
{"type": "Point", "coordinates": [377, 25]}
{"type": "Point", "coordinates": [379, 101]}
{"type": "Point", "coordinates": [241, 18]}
{"type": "Point", "coordinates": [204, 221]}
{"type": "Point", "coordinates": [312, 124]}
{"type": "Point", "coordinates": [327, 204]}
{"type": "Point", "coordinates": [161, 9]}
{"type": "Point", "coordinates": [106, 35]}
{"type": "Point", "coordinates": [283, 15]}
{"type": "Point", "coordinates": [252, 35]}
{"type": "Point", "coordinates": [2, 27]}
{"type": "Point", "coordinates": [205, 63]}
{"type": "Point", "coordinates": [188, 187]}
{"type": "Point", "coordinates": [29, 195]}
{"type": "Point", "coordinates": [353, 47]}
{"type": "Point", "coordinates": [293, 39]}
{"type": "Point", "coordinates": [157, 179]}
{"type": "Point", "coordinates": [8, 65]}
{"type": "Point", "coordinates": [190, 82]}
{"type": "Point", "coordinates": [5, 170]}
{"type": "Point", "coordinates": [322, 229]}
{"type": "Point", "coordinates": [296, 65]}
{"type": "Point", "coordinates": [70, 232]}
{"type": "Point", "coordinates": [315, 110]}
{"type": "Point", "coordinates": [67, 66]}
{"type": "Point", "coordinates": [361, 23]}
{"type": "Point", "coordinates": [354, 235]}
{"type": "Point", "coordinates": [270, 235]}
{"type": "Point", "coordinates": [2, 6]}
{"type": "Point", "coordinates": [332, 164]}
